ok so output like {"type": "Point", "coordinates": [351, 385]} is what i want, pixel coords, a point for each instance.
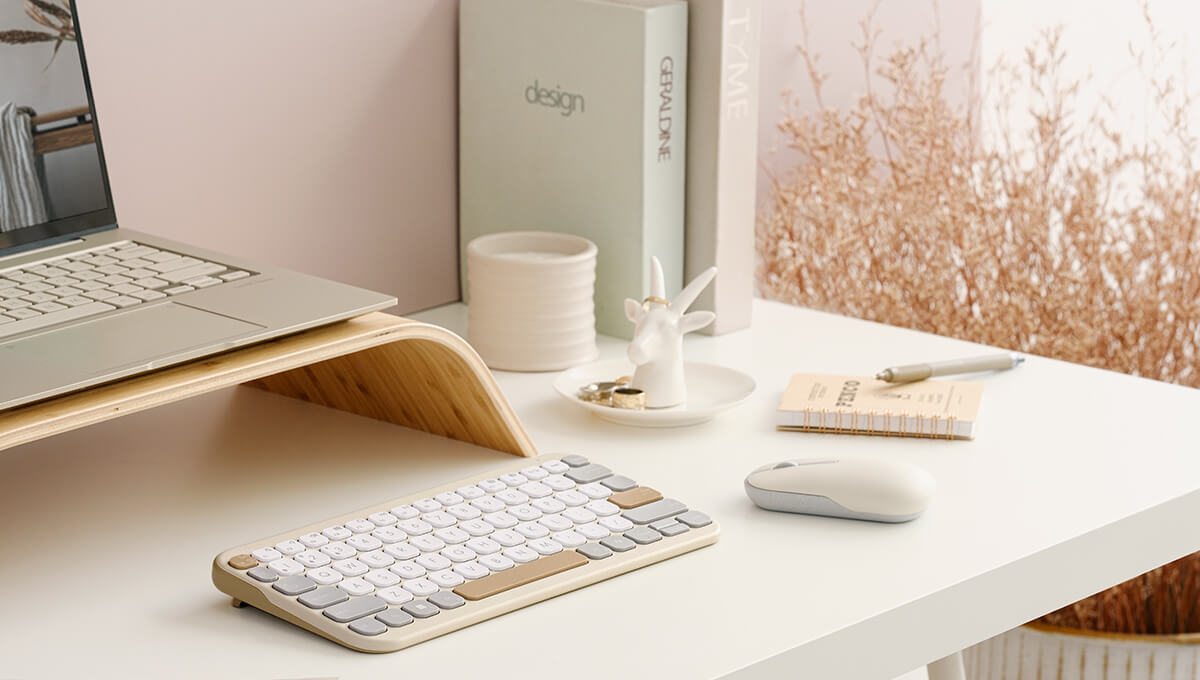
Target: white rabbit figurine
{"type": "Point", "coordinates": [657, 347]}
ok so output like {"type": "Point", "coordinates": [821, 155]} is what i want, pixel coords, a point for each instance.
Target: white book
{"type": "Point", "coordinates": [572, 118]}
{"type": "Point", "coordinates": [722, 147]}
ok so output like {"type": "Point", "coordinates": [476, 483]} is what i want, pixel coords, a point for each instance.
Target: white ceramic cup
{"type": "Point", "coordinates": [531, 300]}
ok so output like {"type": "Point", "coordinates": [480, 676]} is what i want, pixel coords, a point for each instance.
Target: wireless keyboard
{"type": "Point", "coordinates": [410, 569]}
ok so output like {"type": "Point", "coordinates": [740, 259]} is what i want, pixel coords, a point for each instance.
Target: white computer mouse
{"type": "Point", "coordinates": [876, 489]}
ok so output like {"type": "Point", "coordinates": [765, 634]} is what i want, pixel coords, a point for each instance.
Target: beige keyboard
{"type": "Point", "coordinates": [410, 569]}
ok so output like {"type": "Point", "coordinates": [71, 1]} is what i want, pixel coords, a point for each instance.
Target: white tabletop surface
{"type": "Point", "coordinates": [1077, 479]}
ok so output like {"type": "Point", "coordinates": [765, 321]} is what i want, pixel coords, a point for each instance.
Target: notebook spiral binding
{"type": "Point", "coordinates": [840, 427]}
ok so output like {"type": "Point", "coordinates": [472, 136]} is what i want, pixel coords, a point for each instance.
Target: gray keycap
{"type": "Point", "coordinates": [618, 483]}
{"type": "Point", "coordinates": [447, 600]}
{"type": "Point", "coordinates": [421, 609]}
{"type": "Point", "coordinates": [594, 551]}
{"type": "Point", "coordinates": [575, 460]}
{"type": "Point", "coordinates": [588, 473]}
{"type": "Point", "coordinates": [323, 597]}
{"type": "Point", "coordinates": [673, 529]}
{"type": "Point", "coordinates": [618, 544]}
{"type": "Point", "coordinates": [652, 512]}
{"type": "Point", "coordinates": [395, 618]}
{"type": "Point", "coordinates": [294, 585]}
{"type": "Point", "coordinates": [643, 535]}
{"type": "Point", "coordinates": [658, 526]}
{"type": "Point", "coordinates": [261, 573]}
{"type": "Point", "coordinates": [356, 608]}
{"type": "Point", "coordinates": [368, 627]}
{"type": "Point", "coordinates": [694, 519]}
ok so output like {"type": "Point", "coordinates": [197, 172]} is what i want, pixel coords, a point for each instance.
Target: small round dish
{"type": "Point", "coordinates": [711, 389]}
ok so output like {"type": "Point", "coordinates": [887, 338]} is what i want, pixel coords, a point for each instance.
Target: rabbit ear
{"type": "Point", "coordinates": [694, 321]}
{"type": "Point", "coordinates": [688, 295]}
{"type": "Point", "coordinates": [633, 310]}
{"type": "Point", "coordinates": [658, 287]}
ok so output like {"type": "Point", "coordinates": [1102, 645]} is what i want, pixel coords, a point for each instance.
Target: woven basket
{"type": "Point", "coordinates": [1039, 651]}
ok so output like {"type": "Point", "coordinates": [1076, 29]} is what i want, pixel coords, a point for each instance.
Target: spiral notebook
{"type": "Point", "coordinates": [938, 409]}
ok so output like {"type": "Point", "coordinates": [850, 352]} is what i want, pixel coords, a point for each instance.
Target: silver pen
{"type": "Point", "coordinates": [914, 372]}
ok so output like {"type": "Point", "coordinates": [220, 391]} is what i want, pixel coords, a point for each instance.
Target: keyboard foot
{"type": "Point", "coordinates": [236, 602]}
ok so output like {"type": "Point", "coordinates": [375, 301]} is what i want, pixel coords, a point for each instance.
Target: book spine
{"type": "Point", "coordinates": [665, 141]}
{"type": "Point", "coordinates": [722, 153]}
{"type": "Point", "coordinates": [873, 422]}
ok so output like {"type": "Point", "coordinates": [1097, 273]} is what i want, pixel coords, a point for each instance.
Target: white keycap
{"type": "Point", "coordinates": [568, 539]}
{"type": "Point", "coordinates": [512, 497]}
{"type": "Point", "coordinates": [549, 505]}
{"type": "Point", "coordinates": [394, 595]}
{"type": "Point", "coordinates": [595, 490]}
{"type": "Point", "coordinates": [469, 492]}
{"type": "Point", "coordinates": [603, 508]}
{"type": "Point", "coordinates": [286, 566]}
{"type": "Point", "coordinates": [360, 526]}
{"type": "Point", "coordinates": [405, 512]}
{"type": "Point", "coordinates": [414, 527]}
{"type": "Point", "coordinates": [471, 570]}
{"type": "Point", "coordinates": [152, 283]}
{"type": "Point", "coordinates": [616, 524]}
{"type": "Point", "coordinates": [382, 579]}
{"type": "Point", "coordinates": [148, 295]}
{"type": "Point", "coordinates": [449, 498]}
{"type": "Point", "coordinates": [452, 535]}
{"type": "Point", "coordinates": [521, 554]}
{"type": "Point", "coordinates": [338, 550]}
{"type": "Point", "coordinates": [558, 483]}
{"type": "Point", "coordinates": [266, 554]}
{"type": "Point", "coordinates": [356, 586]}
{"type": "Point", "coordinates": [402, 551]}
{"type": "Point", "coordinates": [556, 467]}
{"type": "Point", "coordinates": [593, 531]}
{"type": "Point", "coordinates": [497, 562]}
{"type": "Point", "coordinates": [507, 538]}
{"type": "Point", "coordinates": [312, 559]}
{"type": "Point", "coordinates": [382, 519]}
{"type": "Point", "coordinates": [556, 523]}
{"type": "Point", "coordinates": [488, 504]}
{"type": "Point", "coordinates": [476, 527]}
{"type": "Point", "coordinates": [376, 559]}
{"type": "Point", "coordinates": [525, 513]}
{"type": "Point", "coordinates": [314, 540]}
{"type": "Point", "coordinates": [439, 519]}
{"type": "Point", "coordinates": [324, 576]}
{"type": "Point", "coordinates": [463, 511]}
{"type": "Point", "coordinates": [532, 530]}
{"type": "Point", "coordinates": [500, 520]}
{"type": "Point", "coordinates": [534, 473]}
{"type": "Point", "coordinates": [176, 290]}
{"type": "Point", "coordinates": [571, 499]}
{"type": "Point", "coordinates": [535, 490]}
{"type": "Point", "coordinates": [427, 505]}
{"type": "Point", "coordinates": [123, 301]}
{"type": "Point", "coordinates": [389, 534]}
{"type": "Point", "coordinates": [364, 542]}
{"type": "Point", "coordinates": [483, 546]}
{"type": "Point", "coordinates": [337, 533]}
{"type": "Point", "coordinates": [579, 515]}
{"type": "Point", "coordinates": [458, 553]}
{"type": "Point", "coordinates": [544, 546]}
{"type": "Point", "coordinates": [202, 281]}
{"type": "Point", "coordinates": [125, 289]}
{"type": "Point", "coordinates": [75, 300]}
{"type": "Point", "coordinates": [234, 275]}
{"type": "Point", "coordinates": [492, 485]}
{"type": "Point", "coordinates": [47, 307]}
{"type": "Point", "coordinates": [407, 570]}
{"type": "Point", "coordinates": [514, 479]}
{"type": "Point", "coordinates": [446, 578]}
{"type": "Point", "coordinates": [350, 567]}
{"type": "Point", "coordinates": [427, 543]}
{"type": "Point", "coordinates": [433, 562]}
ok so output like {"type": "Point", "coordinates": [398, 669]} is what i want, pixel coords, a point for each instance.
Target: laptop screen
{"type": "Point", "coordinates": [53, 184]}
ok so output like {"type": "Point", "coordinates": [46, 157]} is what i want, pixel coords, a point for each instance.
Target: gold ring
{"type": "Point", "coordinates": [629, 398]}
{"type": "Point", "coordinates": [647, 301]}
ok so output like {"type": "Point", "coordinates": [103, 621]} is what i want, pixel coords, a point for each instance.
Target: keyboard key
{"type": "Point", "coordinates": [151, 282]}
{"type": "Point", "coordinates": [496, 562]}
{"type": "Point", "coordinates": [312, 559]}
{"type": "Point", "coordinates": [568, 539]}
{"type": "Point", "coordinates": [39, 298]}
{"type": "Point", "coordinates": [520, 575]}
{"type": "Point", "coordinates": [382, 579]}
{"type": "Point", "coordinates": [350, 567]}
{"type": "Point", "coordinates": [368, 627]}
{"type": "Point", "coordinates": [521, 554]}
{"type": "Point", "coordinates": [492, 485]}
{"type": "Point", "coordinates": [555, 467]}
{"type": "Point", "coordinates": [544, 546]}
{"type": "Point", "coordinates": [23, 277]}
{"type": "Point", "coordinates": [123, 301]}
{"type": "Point", "coordinates": [290, 547]}
{"type": "Point", "coordinates": [148, 295]}
{"type": "Point", "coordinates": [616, 524]}
{"type": "Point", "coordinates": [402, 551]}
{"type": "Point", "coordinates": [21, 315]}
{"type": "Point", "coordinates": [394, 595]}
{"type": "Point", "coordinates": [135, 252]}
{"type": "Point", "coordinates": [618, 483]}
{"type": "Point", "coordinates": [447, 600]}
{"type": "Point", "coordinates": [509, 496]}
{"type": "Point", "coordinates": [15, 303]}
{"type": "Point", "coordinates": [439, 519]}
{"type": "Point", "coordinates": [673, 529]}
{"type": "Point", "coordinates": [322, 598]}
{"type": "Point", "coordinates": [575, 461]}
{"type": "Point", "coordinates": [588, 473]}
{"type": "Point", "coordinates": [47, 307]}
{"type": "Point", "coordinates": [652, 512]}
{"type": "Point", "coordinates": [469, 492]}
{"type": "Point", "coordinates": [448, 498]}
{"type": "Point", "coordinates": [294, 585]}
{"type": "Point", "coordinates": [178, 290]}
{"type": "Point", "coordinates": [558, 483]}
{"type": "Point", "coordinates": [356, 586]}
{"type": "Point", "coordinates": [382, 519]}
{"type": "Point", "coordinates": [532, 530]}
{"type": "Point", "coordinates": [137, 264]}
{"type": "Point", "coordinates": [427, 543]}
{"type": "Point", "coordinates": [403, 512]}
{"type": "Point", "coordinates": [525, 513]}
{"type": "Point", "coordinates": [360, 526]}
{"type": "Point", "coordinates": [488, 504]}
{"type": "Point", "coordinates": [463, 511]}
{"type": "Point", "coordinates": [579, 515]}
{"type": "Point", "coordinates": [408, 570]}
{"type": "Point", "coordinates": [592, 531]}
{"type": "Point", "coordinates": [433, 562]}
{"type": "Point", "coordinates": [265, 555]}
{"type": "Point", "coordinates": [483, 546]}
{"type": "Point", "coordinates": [571, 498]}
{"type": "Point", "coordinates": [594, 551]}
{"type": "Point", "coordinates": [202, 281]}
{"type": "Point", "coordinates": [476, 527]}
{"type": "Point", "coordinates": [534, 473]}
{"type": "Point", "coordinates": [420, 609]}
{"type": "Point", "coordinates": [500, 520]}
{"type": "Point", "coordinates": [286, 566]}
{"type": "Point", "coordinates": [234, 275]}
{"type": "Point", "coordinates": [376, 559]}
{"type": "Point", "coordinates": [324, 575]}
{"type": "Point", "coordinates": [452, 535]}
{"type": "Point", "coordinates": [643, 535]}
{"type": "Point", "coordinates": [595, 491]}
{"type": "Point", "coordinates": [337, 533]}
{"type": "Point", "coordinates": [556, 523]}
{"type": "Point", "coordinates": [421, 587]}
{"type": "Point", "coordinates": [189, 274]}
{"type": "Point", "coordinates": [414, 527]}
{"type": "Point", "coordinates": [74, 300]}
{"type": "Point", "coordinates": [37, 287]}
{"type": "Point", "coordinates": [114, 280]}
{"type": "Point", "coordinates": [695, 519]}
{"type": "Point", "coordinates": [513, 479]}
{"type": "Point", "coordinates": [549, 505]}
{"type": "Point", "coordinates": [389, 535]}
{"type": "Point", "coordinates": [507, 538]}
{"type": "Point", "coordinates": [112, 269]}
{"type": "Point", "coordinates": [446, 579]}
{"type": "Point", "coordinates": [161, 256]}
{"type": "Point", "coordinates": [618, 543]}
{"type": "Point", "coordinates": [427, 505]}
{"type": "Point", "coordinates": [535, 489]}
{"type": "Point", "coordinates": [458, 553]}
{"type": "Point", "coordinates": [242, 562]}
{"type": "Point", "coordinates": [261, 573]}
{"type": "Point", "coordinates": [602, 508]}
{"type": "Point", "coordinates": [338, 550]}
{"type": "Point", "coordinates": [356, 608]}
{"type": "Point", "coordinates": [364, 543]}
{"type": "Point", "coordinates": [125, 289]}
{"type": "Point", "coordinates": [635, 497]}
{"type": "Point", "coordinates": [173, 264]}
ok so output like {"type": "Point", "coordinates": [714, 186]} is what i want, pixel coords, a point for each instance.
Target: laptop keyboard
{"type": "Point", "coordinates": [91, 282]}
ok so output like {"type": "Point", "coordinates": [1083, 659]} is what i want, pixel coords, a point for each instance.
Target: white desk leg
{"type": "Point", "coordinates": [947, 668]}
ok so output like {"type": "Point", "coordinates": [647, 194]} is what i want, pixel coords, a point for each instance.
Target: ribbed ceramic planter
{"type": "Point", "coordinates": [1039, 652]}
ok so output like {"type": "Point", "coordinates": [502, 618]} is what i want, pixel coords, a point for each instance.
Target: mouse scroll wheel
{"type": "Point", "coordinates": [784, 464]}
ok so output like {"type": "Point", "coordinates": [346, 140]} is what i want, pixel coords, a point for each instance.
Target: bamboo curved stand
{"type": "Point", "coordinates": [378, 365]}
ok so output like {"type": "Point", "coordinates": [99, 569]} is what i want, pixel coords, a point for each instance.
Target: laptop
{"type": "Point", "coordinates": [84, 301]}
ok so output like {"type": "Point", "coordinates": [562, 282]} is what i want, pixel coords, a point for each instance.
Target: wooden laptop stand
{"type": "Point", "coordinates": [378, 365]}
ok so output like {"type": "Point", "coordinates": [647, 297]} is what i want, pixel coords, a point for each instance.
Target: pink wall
{"type": "Point", "coordinates": [320, 136]}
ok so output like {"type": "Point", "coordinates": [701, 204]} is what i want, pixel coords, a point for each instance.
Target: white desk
{"type": "Point", "coordinates": [1078, 479]}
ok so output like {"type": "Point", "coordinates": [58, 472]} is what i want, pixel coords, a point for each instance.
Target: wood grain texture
{"type": "Point", "coordinates": [64, 138]}
{"type": "Point", "coordinates": [378, 365]}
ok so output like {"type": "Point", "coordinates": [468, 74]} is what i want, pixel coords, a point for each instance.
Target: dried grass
{"type": "Point", "coordinates": [52, 14]}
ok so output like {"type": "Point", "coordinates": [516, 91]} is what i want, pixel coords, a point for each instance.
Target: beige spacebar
{"type": "Point", "coordinates": [521, 575]}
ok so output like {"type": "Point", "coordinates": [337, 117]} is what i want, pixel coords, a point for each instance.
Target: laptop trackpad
{"type": "Point", "coordinates": [134, 338]}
